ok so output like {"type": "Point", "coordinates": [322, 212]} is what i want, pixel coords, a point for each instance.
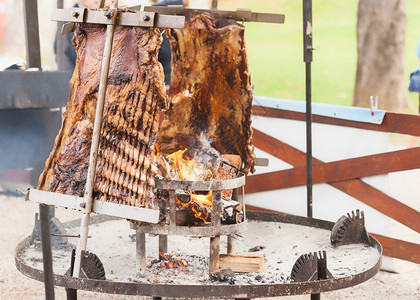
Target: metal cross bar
{"type": "Point", "coordinates": [99, 207]}
{"type": "Point", "coordinates": [243, 15]}
{"type": "Point", "coordinates": [140, 19]}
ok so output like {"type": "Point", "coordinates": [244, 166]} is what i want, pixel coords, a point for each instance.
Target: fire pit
{"type": "Point", "coordinates": [285, 238]}
{"type": "Point", "coordinates": [213, 230]}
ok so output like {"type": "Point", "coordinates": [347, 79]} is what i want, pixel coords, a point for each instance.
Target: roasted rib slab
{"type": "Point", "coordinates": [210, 89]}
{"type": "Point", "coordinates": [135, 94]}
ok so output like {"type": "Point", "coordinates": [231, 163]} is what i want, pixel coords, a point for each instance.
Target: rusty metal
{"type": "Point", "coordinates": [305, 268]}
{"type": "Point", "coordinates": [350, 230]}
{"type": "Point", "coordinates": [92, 266]}
{"type": "Point", "coordinates": [221, 291]}
{"type": "Point", "coordinates": [242, 15]}
{"type": "Point", "coordinates": [311, 266]}
{"type": "Point", "coordinates": [140, 19]}
{"type": "Point", "coordinates": [44, 220]}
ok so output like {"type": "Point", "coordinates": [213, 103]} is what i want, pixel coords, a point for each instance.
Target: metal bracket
{"type": "Point", "coordinates": [138, 19]}
{"type": "Point", "coordinates": [243, 15]}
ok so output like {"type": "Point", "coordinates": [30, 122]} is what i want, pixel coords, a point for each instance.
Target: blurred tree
{"type": "Point", "coordinates": [380, 64]}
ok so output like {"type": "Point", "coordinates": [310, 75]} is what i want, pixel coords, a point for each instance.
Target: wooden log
{"type": "Point", "coordinates": [242, 263]}
{"type": "Point", "coordinates": [228, 169]}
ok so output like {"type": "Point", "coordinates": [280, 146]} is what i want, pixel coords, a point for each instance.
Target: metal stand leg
{"type": "Point", "coordinates": [163, 243]}
{"type": "Point", "coordinates": [230, 245]}
{"type": "Point", "coordinates": [71, 294]}
{"type": "Point", "coordinates": [141, 251]}
{"type": "Point", "coordinates": [44, 219]}
{"type": "Point", "coordinates": [214, 254]}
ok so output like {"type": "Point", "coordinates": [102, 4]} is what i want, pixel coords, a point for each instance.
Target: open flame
{"type": "Point", "coordinates": [172, 261]}
{"type": "Point", "coordinates": [181, 166]}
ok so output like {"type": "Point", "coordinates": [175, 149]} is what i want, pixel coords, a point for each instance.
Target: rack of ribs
{"type": "Point", "coordinates": [210, 90]}
{"type": "Point", "coordinates": [134, 97]}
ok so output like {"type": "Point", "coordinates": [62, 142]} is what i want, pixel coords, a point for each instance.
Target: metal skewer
{"type": "Point", "coordinates": [84, 226]}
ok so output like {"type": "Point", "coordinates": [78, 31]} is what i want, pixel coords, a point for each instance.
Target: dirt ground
{"type": "Point", "coordinates": [17, 220]}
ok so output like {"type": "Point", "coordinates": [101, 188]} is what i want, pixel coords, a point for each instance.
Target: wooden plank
{"type": "Point", "coordinates": [354, 187]}
{"type": "Point", "coordinates": [393, 122]}
{"type": "Point", "coordinates": [381, 202]}
{"type": "Point", "coordinates": [398, 248]}
{"type": "Point", "coordinates": [370, 165]}
{"type": "Point", "coordinates": [243, 263]}
{"type": "Point", "coordinates": [278, 148]}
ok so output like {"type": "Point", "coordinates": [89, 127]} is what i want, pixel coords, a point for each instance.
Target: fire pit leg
{"type": "Point", "coordinates": [163, 243]}
{"type": "Point", "coordinates": [214, 254]}
{"type": "Point", "coordinates": [141, 251]}
{"type": "Point", "coordinates": [230, 245]}
{"type": "Point", "coordinates": [215, 241]}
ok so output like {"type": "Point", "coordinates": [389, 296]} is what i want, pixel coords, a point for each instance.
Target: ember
{"type": "Point", "coordinates": [171, 261]}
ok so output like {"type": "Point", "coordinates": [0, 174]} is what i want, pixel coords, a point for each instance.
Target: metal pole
{"type": "Point", "coordinates": [84, 229]}
{"type": "Point", "coordinates": [307, 58]}
{"type": "Point", "coordinates": [33, 50]}
{"type": "Point", "coordinates": [214, 4]}
{"type": "Point", "coordinates": [59, 42]}
{"type": "Point", "coordinates": [44, 220]}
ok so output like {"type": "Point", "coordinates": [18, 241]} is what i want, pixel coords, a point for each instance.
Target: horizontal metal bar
{"type": "Point", "coordinates": [139, 19]}
{"type": "Point", "coordinates": [194, 231]}
{"type": "Point", "coordinates": [261, 162]}
{"type": "Point", "coordinates": [201, 185]}
{"type": "Point", "coordinates": [99, 207]}
{"type": "Point", "coordinates": [238, 15]}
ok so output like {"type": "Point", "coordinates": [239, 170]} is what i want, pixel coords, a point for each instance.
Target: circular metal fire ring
{"type": "Point", "coordinates": [213, 290]}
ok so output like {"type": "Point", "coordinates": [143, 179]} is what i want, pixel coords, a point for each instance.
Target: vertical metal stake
{"type": "Point", "coordinates": [215, 241]}
{"type": "Point", "coordinates": [141, 251]}
{"type": "Point", "coordinates": [307, 57]}
{"type": "Point", "coordinates": [44, 220]}
{"type": "Point", "coordinates": [90, 180]}
{"type": "Point", "coordinates": [33, 50]}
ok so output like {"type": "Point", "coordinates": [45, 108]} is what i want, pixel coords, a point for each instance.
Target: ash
{"type": "Point", "coordinates": [280, 244]}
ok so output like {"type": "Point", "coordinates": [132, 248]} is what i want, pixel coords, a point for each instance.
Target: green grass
{"type": "Point", "coordinates": [276, 57]}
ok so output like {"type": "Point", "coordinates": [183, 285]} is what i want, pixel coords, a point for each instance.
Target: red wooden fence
{"type": "Point", "coordinates": [345, 174]}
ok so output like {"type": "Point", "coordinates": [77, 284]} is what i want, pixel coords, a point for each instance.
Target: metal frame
{"type": "Point", "coordinates": [242, 15]}
{"type": "Point", "coordinates": [213, 230]}
{"type": "Point", "coordinates": [210, 290]}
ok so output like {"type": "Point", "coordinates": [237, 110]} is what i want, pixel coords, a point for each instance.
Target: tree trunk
{"type": "Point", "coordinates": [380, 63]}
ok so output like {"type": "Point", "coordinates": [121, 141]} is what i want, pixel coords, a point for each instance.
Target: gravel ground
{"type": "Point", "coordinates": [17, 220]}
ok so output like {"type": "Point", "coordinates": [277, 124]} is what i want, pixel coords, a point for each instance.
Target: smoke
{"type": "Point", "coordinates": [203, 152]}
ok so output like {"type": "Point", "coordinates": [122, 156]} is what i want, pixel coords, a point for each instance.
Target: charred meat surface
{"type": "Point", "coordinates": [210, 89]}
{"type": "Point", "coordinates": [135, 95]}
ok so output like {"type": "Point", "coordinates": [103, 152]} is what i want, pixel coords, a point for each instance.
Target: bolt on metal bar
{"type": "Point", "coordinates": [84, 229]}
